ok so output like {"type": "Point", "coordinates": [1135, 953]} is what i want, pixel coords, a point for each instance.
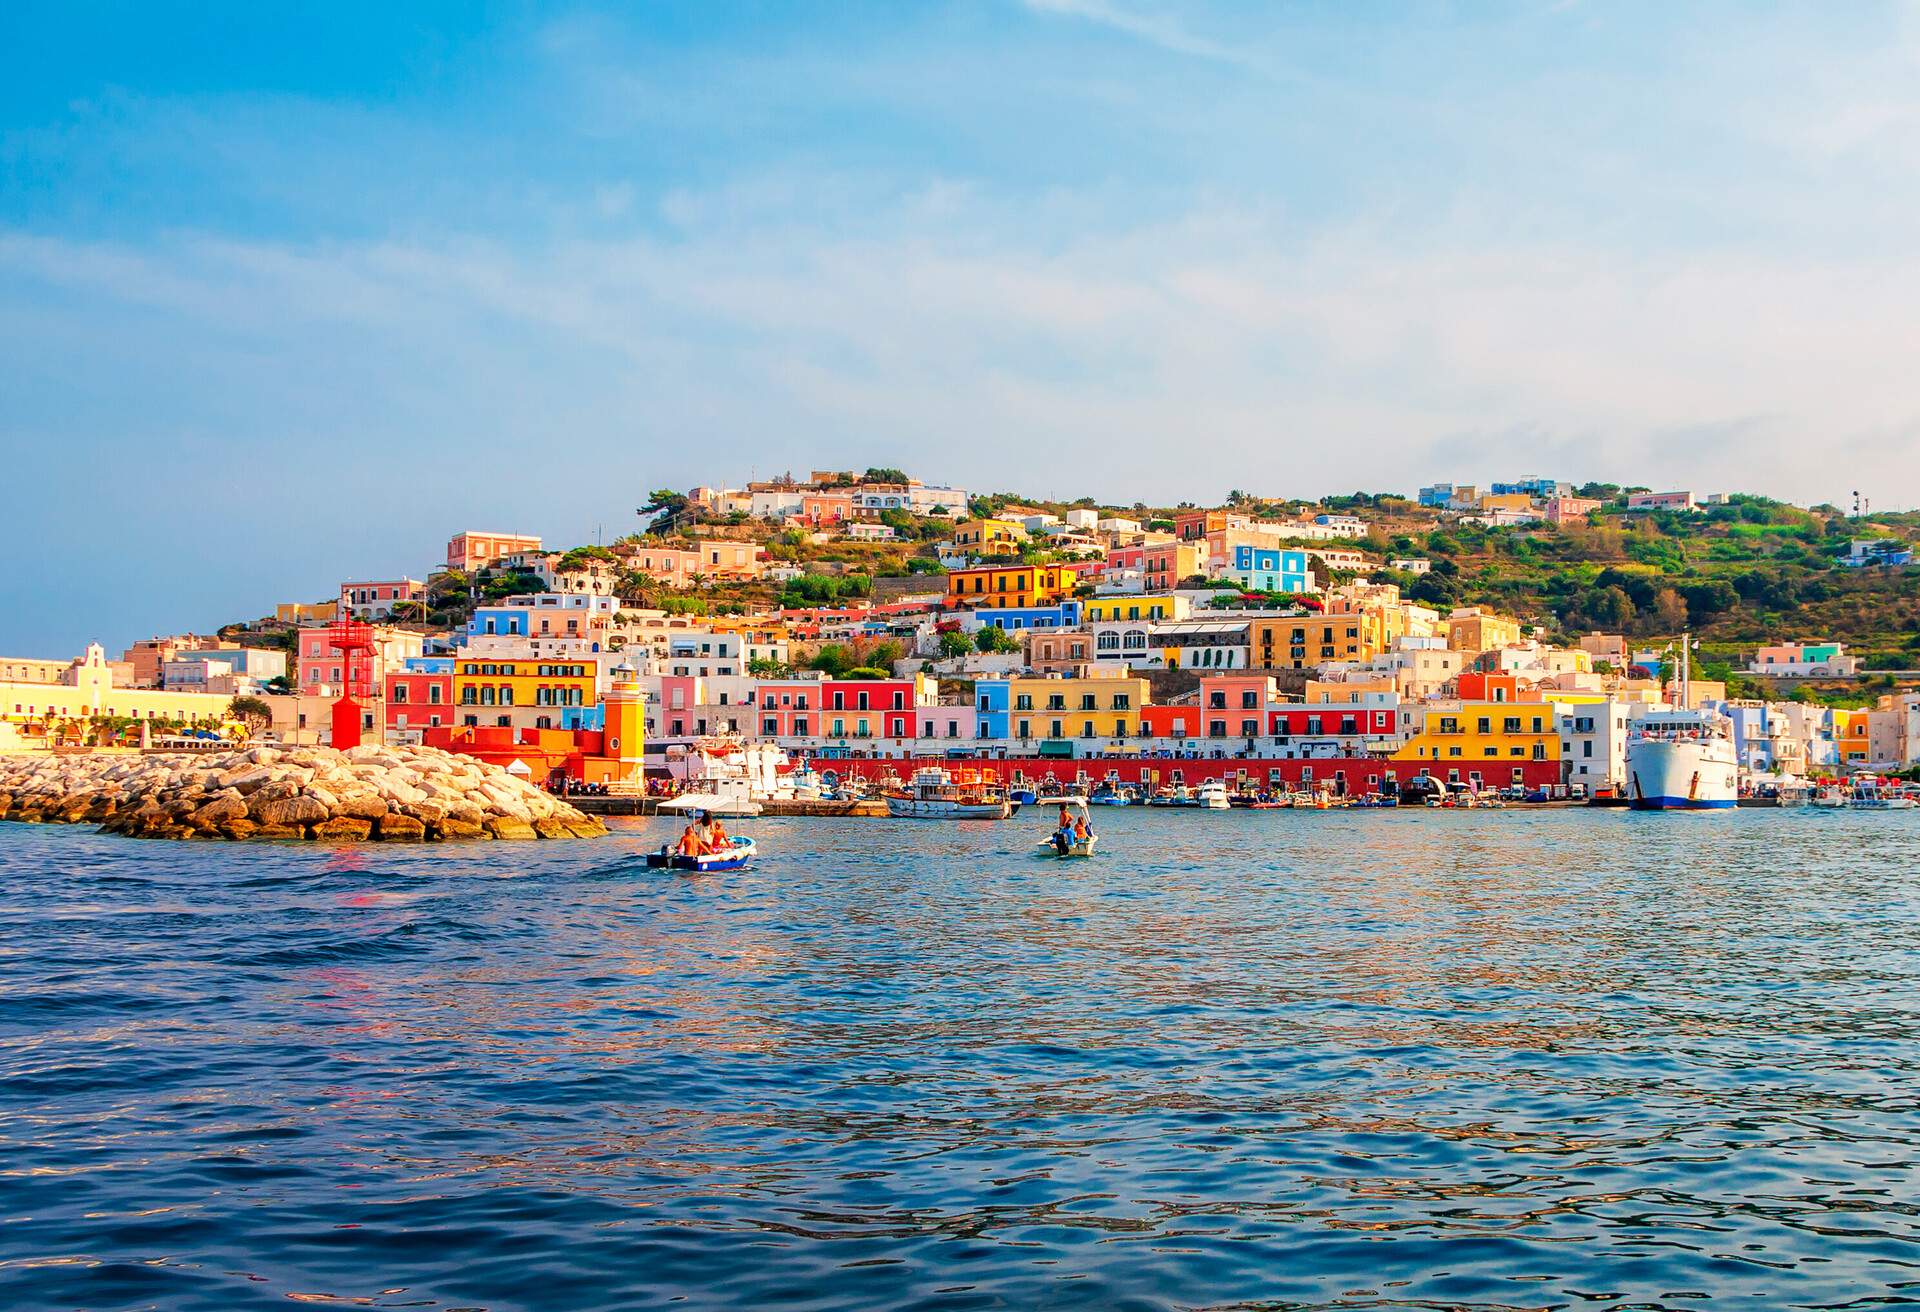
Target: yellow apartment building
{"type": "Point", "coordinates": [999, 587]}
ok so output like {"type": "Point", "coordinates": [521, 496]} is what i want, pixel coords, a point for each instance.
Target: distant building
{"type": "Point", "coordinates": [1411, 564]}
{"type": "Point", "coordinates": [1661, 501]}
{"type": "Point", "coordinates": [1269, 569]}
{"type": "Point", "coordinates": [378, 600]}
{"type": "Point", "coordinates": [470, 550]}
{"type": "Point", "coordinates": [1566, 510]}
{"type": "Point", "coordinates": [1801, 660]}
{"type": "Point", "coordinates": [1867, 552]}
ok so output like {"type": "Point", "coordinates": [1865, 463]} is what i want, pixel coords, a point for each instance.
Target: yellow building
{"type": "Point", "coordinates": [989, 537]}
{"type": "Point", "coordinates": [31, 712]}
{"type": "Point", "coordinates": [1504, 501]}
{"type": "Point", "coordinates": [305, 612]}
{"type": "Point", "coordinates": [1001, 586]}
{"type": "Point", "coordinates": [1852, 736]}
{"type": "Point", "coordinates": [523, 682]}
{"type": "Point", "coordinates": [1299, 642]}
{"type": "Point", "coordinates": [1097, 712]}
{"type": "Point", "coordinates": [1484, 739]}
{"type": "Point", "coordinates": [1101, 610]}
{"type": "Point", "coordinates": [1476, 629]}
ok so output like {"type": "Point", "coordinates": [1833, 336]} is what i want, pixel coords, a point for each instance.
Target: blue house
{"type": "Point", "coordinates": [1270, 569]}
{"type": "Point", "coordinates": [1064, 615]}
{"type": "Point", "coordinates": [992, 699]}
{"type": "Point", "coordinates": [508, 621]}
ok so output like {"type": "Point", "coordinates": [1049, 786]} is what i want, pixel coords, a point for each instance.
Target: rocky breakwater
{"type": "Point", "coordinates": [369, 792]}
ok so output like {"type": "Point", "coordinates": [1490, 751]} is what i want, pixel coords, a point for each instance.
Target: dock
{"type": "Point", "coordinates": [616, 805]}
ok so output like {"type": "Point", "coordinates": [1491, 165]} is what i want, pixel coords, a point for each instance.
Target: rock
{"type": "Point", "coordinates": [227, 806]}
{"type": "Point", "coordinates": [398, 794]}
{"type": "Point", "coordinates": [342, 828]}
{"type": "Point", "coordinates": [289, 811]}
{"type": "Point", "coordinates": [396, 827]}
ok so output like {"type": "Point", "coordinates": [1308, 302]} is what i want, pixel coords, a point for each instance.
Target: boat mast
{"type": "Point", "coordinates": [1686, 671]}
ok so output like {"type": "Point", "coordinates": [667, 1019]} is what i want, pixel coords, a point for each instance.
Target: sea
{"type": "Point", "coordinates": [1486, 1060]}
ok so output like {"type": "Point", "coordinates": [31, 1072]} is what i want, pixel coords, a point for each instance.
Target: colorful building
{"type": "Point", "coordinates": [1269, 569]}
{"type": "Point", "coordinates": [322, 671]}
{"type": "Point", "coordinates": [419, 694]}
{"type": "Point", "coordinates": [1076, 715]}
{"type": "Point", "coordinates": [32, 713]}
{"type": "Point", "coordinates": [1483, 743]}
{"type": "Point", "coordinates": [486, 690]}
{"type": "Point", "coordinates": [988, 537]}
{"type": "Point", "coordinates": [1299, 642]}
{"type": "Point", "coordinates": [472, 550]}
{"type": "Point", "coordinates": [1475, 629]}
{"type": "Point", "coordinates": [1018, 586]}
{"type": "Point", "coordinates": [1104, 610]}
{"type": "Point", "coordinates": [377, 600]}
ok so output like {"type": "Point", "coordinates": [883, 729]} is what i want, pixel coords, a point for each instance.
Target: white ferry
{"type": "Point", "coordinates": [1682, 760]}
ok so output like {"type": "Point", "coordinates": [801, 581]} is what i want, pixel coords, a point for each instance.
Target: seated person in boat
{"type": "Point", "coordinates": [717, 840]}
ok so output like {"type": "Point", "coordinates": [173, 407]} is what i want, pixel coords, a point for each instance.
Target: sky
{"type": "Point", "coordinates": [290, 294]}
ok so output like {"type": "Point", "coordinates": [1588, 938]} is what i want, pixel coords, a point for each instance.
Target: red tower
{"type": "Point", "coordinates": [354, 641]}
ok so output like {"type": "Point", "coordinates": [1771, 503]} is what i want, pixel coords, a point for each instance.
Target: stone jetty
{"type": "Point", "coordinates": [370, 792]}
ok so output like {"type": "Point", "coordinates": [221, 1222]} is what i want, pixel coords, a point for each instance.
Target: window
{"type": "Point", "coordinates": [1216, 728]}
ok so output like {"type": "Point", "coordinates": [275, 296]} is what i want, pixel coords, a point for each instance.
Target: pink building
{"type": "Point", "coordinates": [825, 508]}
{"type": "Point", "coordinates": [470, 550]}
{"type": "Point", "coordinates": [376, 600]}
{"type": "Point", "coordinates": [1562, 510]}
{"type": "Point", "coordinates": [714, 558]}
{"type": "Point", "coordinates": [321, 672]}
{"type": "Point", "coordinates": [789, 708]}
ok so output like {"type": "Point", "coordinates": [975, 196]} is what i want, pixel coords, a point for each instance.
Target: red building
{"type": "Point", "coordinates": [420, 698]}
{"type": "Point", "coordinates": [1345, 774]}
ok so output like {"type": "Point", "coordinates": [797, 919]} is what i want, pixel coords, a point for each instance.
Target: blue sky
{"type": "Point", "coordinates": [290, 294]}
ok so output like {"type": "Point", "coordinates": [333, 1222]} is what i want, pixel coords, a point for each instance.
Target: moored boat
{"type": "Point", "coordinates": [1212, 795]}
{"type": "Point", "coordinates": [936, 794]}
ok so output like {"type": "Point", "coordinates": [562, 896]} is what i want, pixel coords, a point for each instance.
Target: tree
{"type": "Point", "coordinates": [885, 475]}
{"type": "Point", "coordinates": [954, 643]}
{"type": "Point", "coordinates": [664, 508]}
{"type": "Point", "coordinates": [993, 638]}
{"type": "Point", "coordinates": [867, 672]}
{"type": "Point", "coordinates": [253, 713]}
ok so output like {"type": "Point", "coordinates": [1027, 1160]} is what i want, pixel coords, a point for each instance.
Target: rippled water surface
{"type": "Point", "coordinates": [1431, 1060]}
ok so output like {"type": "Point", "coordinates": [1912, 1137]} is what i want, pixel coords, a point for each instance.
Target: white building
{"type": "Point", "coordinates": [1593, 741]}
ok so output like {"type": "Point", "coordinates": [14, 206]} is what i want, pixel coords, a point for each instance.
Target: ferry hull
{"type": "Point", "coordinates": [1697, 775]}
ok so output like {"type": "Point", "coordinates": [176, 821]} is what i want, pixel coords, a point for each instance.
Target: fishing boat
{"type": "Point", "coordinates": [937, 794]}
{"type": "Point", "coordinates": [1022, 795]}
{"type": "Point", "coordinates": [735, 856]}
{"type": "Point", "coordinates": [1109, 795]}
{"type": "Point", "coordinates": [1212, 795]}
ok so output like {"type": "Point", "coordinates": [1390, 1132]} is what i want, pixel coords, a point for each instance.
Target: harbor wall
{"type": "Point", "coordinates": [1358, 774]}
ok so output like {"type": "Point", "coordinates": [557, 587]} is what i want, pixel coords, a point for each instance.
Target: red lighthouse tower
{"type": "Point", "coordinates": [353, 640]}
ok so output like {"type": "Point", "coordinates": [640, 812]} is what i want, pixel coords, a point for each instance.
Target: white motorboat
{"type": "Point", "coordinates": [1212, 795]}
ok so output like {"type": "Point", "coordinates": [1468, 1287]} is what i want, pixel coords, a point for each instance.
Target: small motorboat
{"type": "Point", "coordinates": [735, 856]}
{"type": "Point", "coordinates": [1022, 795]}
{"type": "Point", "coordinates": [1056, 844]}
{"type": "Point", "coordinates": [1212, 795]}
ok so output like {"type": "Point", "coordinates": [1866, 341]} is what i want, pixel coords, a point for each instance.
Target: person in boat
{"type": "Point", "coordinates": [717, 840]}
{"type": "Point", "coordinates": [689, 844]}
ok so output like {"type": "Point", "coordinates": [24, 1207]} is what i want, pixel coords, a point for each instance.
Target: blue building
{"type": "Point", "coordinates": [1065, 615]}
{"type": "Point", "coordinates": [503, 621]}
{"type": "Point", "coordinates": [1437, 495]}
{"type": "Point", "coordinates": [1532, 486]}
{"type": "Point", "coordinates": [428, 665]}
{"type": "Point", "coordinates": [1270, 569]}
{"type": "Point", "coordinates": [992, 699]}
